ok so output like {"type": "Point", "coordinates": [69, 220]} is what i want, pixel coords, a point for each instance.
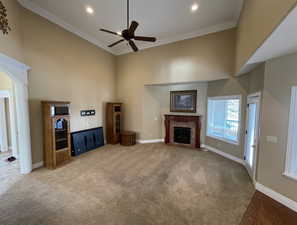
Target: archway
{"type": "Point", "coordinates": [18, 72]}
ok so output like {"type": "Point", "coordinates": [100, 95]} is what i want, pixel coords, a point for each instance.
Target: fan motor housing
{"type": "Point", "coordinates": [127, 35]}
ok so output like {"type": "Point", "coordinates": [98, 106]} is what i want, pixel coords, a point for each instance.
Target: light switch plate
{"type": "Point", "coordinates": [272, 139]}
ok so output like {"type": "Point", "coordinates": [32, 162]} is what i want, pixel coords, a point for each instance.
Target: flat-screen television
{"type": "Point", "coordinates": [61, 110]}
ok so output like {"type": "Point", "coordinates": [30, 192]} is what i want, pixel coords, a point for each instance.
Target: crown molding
{"type": "Point", "coordinates": [198, 33]}
{"type": "Point", "coordinates": [54, 19]}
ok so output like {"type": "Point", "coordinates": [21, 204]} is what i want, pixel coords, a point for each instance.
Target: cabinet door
{"type": "Point", "coordinates": [98, 137]}
{"type": "Point", "coordinates": [89, 140]}
{"type": "Point", "coordinates": [79, 146]}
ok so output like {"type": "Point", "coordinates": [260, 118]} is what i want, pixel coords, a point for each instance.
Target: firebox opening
{"type": "Point", "coordinates": [182, 135]}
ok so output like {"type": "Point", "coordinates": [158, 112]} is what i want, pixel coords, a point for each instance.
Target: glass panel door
{"type": "Point", "coordinates": [249, 157]}
{"type": "Point", "coordinates": [251, 135]}
{"type": "Point", "coordinates": [61, 134]}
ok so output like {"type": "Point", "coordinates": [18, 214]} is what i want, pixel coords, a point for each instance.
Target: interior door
{"type": "Point", "coordinates": [252, 134]}
{"type": "Point", "coordinates": [3, 128]}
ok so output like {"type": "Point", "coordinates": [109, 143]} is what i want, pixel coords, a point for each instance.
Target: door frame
{"type": "Point", "coordinates": [251, 99]}
{"type": "Point", "coordinates": [18, 72]}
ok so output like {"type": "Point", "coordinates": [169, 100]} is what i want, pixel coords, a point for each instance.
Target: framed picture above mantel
{"type": "Point", "coordinates": [183, 101]}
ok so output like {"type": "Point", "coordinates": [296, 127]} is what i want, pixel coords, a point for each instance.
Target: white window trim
{"type": "Point", "coordinates": [291, 156]}
{"type": "Point", "coordinates": [240, 115]}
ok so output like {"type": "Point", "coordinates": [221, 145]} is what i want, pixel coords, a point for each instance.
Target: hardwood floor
{"type": "Point", "coordinates": [265, 211]}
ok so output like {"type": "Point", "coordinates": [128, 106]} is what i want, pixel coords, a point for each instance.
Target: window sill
{"type": "Point", "coordinates": [222, 139]}
{"type": "Point", "coordinates": [290, 176]}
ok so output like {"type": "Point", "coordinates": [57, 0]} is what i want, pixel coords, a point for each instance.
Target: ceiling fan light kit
{"type": "Point", "coordinates": [129, 33]}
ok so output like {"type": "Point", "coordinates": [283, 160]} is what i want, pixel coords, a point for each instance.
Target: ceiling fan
{"type": "Point", "coordinates": [129, 33]}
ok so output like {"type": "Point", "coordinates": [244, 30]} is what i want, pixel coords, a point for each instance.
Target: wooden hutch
{"type": "Point", "coordinates": [113, 122]}
{"type": "Point", "coordinates": [56, 133]}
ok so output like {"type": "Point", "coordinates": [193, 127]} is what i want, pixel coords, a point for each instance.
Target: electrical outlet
{"type": "Point", "coordinates": [272, 139]}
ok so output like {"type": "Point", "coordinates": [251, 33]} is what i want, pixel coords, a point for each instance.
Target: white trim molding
{"type": "Point", "coordinates": [291, 155]}
{"type": "Point", "coordinates": [37, 165]}
{"type": "Point", "coordinates": [277, 196]}
{"type": "Point", "coordinates": [15, 69]}
{"type": "Point", "coordinates": [18, 72]}
{"type": "Point", "coordinates": [150, 141]}
{"type": "Point", "coordinates": [224, 154]}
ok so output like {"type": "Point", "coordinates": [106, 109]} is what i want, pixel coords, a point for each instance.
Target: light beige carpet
{"type": "Point", "coordinates": [151, 184]}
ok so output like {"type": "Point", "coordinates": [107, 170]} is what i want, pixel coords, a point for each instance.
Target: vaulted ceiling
{"type": "Point", "coordinates": [168, 20]}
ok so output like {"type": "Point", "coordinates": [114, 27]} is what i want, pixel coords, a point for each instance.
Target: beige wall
{"type": "Point", "coordinates": [243, 85]}
{"type": "Point", "coordinates": [11, 44]}
{"type": "Point", "coordinates": [157, 103]}
{"type": "Point", "coordinates": [232, 86]}
{"type": "Point", "coordinates": [280, 76]}
{"type": "Point", "coordinates": [257, 21]}
{"type": "Point", "coordinates": [256, 79]}
{"type": "Point", "coordinates": [204, 58]}
{"type": "Point", "coordinates": [64, 68]}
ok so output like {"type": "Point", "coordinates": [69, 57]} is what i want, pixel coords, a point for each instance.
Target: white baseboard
{"type": "Point", "coordinates": [150, 141]}
{"type": "Point", "coordinates": [277, 196]}
{"type": "Point", "coordinates": [37, 165]}
{"type": "Point", "coordinates": [224, 154]}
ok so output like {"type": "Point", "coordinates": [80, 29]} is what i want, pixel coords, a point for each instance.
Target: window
{"type": "Point", "coordinates": [224, 118]}
{"type": "Point", "coordinates": [291, 159]}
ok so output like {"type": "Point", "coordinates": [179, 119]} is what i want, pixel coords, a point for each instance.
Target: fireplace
{"type": "Point", "coordinates": [182, 135]}
{"type": "Point", "coordinates": [183, 130]}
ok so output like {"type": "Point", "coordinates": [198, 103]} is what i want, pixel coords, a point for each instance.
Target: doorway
{"type": "Point", "coordinates": [252, 133]}
{"type": "Point", "coordinates": [18, 73]}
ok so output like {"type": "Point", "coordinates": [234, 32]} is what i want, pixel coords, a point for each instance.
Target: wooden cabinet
{"type": "Point", "coordinates": [56, 133]}
{"type": "Point", "coordinates": [114, 119]}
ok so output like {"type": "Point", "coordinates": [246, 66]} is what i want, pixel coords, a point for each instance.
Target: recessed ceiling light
{"type": "Point", "coordinates": [119, 33]}
{"type": "Point", "coordinates": [194, 7]}
{"type": "Point", "coordinates": [89, 10]}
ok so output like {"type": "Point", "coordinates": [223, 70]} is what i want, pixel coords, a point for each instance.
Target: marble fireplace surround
{"type": "Point", "coordinates": [186, 121]}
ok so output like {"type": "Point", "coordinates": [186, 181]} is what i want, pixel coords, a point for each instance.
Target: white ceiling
{"type": "Point", "coordinates": [282, 41]}
{"type": "Point", "coordinates": [168, 20]}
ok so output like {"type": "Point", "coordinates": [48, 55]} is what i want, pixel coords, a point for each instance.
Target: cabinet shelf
{"type": "Point", "coordinates": [61, 131]}
{"type": "Point", "coordinates": [61, 139]}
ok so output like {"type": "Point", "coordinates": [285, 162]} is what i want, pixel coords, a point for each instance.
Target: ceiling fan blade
{"type": "Point", "coordinates": [133, 46]}
{"type": "Point", "coordinates": [133, 27]}
{"type": "Point", "coordinates": [116, 43]}
{"type": "Point", "coordinates": [110, 32]}
{"type": "Point", "coordinates": [150, 39]}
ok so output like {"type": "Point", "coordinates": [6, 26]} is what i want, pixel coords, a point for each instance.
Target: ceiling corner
{"type": "Point", "coordinates": [239, 7]}
{"type": "Point", "coordinates": [28, 4]}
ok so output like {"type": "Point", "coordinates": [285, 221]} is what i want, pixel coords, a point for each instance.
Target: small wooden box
{"type": "Point", "coordinates": [128, 138]}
